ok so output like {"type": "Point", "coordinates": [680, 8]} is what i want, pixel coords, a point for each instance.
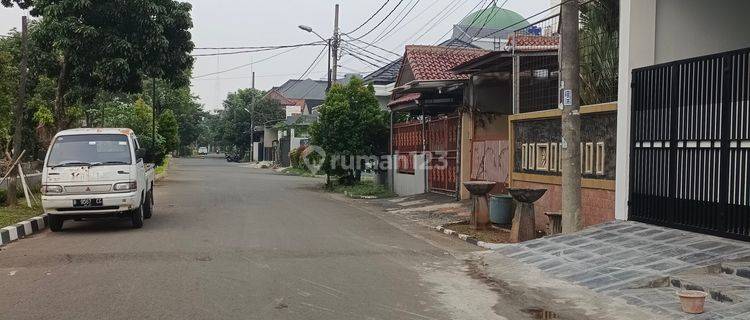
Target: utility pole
{"type": "Point", "coordinates": [335, 46]}
{"type": "Point", "coordinates": [329, 66]}
{"type": "Point", "coordinates": [571, 118]}
{"type": "Point", "coordinates": [252, 123]}
{"type": "Point", "coordinates": [18, 112]}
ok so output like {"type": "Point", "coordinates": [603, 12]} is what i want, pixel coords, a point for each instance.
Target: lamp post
{"type": "Point", "coordinates": [331, 43]}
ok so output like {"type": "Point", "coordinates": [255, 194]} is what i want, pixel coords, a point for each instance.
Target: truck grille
{"type": "Point", "coordinates": [101, 188]}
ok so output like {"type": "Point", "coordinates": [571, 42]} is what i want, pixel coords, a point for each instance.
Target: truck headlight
{"type": "Point", "coordinates": [125, 186]}
{"type": "Point", "coordinates": [52, 189]}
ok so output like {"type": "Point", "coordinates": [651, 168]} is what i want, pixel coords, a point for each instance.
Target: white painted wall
{"type": "Point", "coordinates": [660, 31]}
{"type": "Point", "coordinates": [269, 135]}
{"type": "Point", "coordinates": [691, 28]}
{"type": "Point", "coordinates": [409, 184]}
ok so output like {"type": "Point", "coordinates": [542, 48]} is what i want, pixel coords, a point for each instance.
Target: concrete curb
{"type": "Point", "coordinates": [353, 196]}
{"type": "Point", "coordinates": [22, 229]}
{"type": "Point", "coordinates": [472, 240]}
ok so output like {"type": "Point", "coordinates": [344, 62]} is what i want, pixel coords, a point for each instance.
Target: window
{"type": "Point", "coordinates": [87, 149]}
{"type": "Point", "coordinates": [542, 156]}
{"type": "Point", "coordinates": [600, 158]}
{"type": "Point", "coordinates": [589, 157]}
{"type": "Point", "coordinates": [553, 157]}
{"type": "Point", "coordinates": [524, 157]}
{"type": "Point", "coordinates": [532, 158]}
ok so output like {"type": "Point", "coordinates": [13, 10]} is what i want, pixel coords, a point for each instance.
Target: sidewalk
{"type": "Point", "coordinates": [640, 264]}
{"type": "Point", "coordinates": [428, 209]}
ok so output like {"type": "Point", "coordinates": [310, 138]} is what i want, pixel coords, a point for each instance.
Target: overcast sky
{"type": "Point", "coordinates": [227, 23]}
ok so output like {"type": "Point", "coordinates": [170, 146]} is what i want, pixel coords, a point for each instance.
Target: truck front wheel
{"type": "Point", "coordinates": [55, 222]}
{"type": "Point", "coordinates": [136, 217]}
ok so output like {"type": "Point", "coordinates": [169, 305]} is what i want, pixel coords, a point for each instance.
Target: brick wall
{"type": "Point", "coordinates": [597, 205]}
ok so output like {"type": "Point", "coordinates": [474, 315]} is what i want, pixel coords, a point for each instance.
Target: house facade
{"type": "Point", "coordinates": [426, 118]}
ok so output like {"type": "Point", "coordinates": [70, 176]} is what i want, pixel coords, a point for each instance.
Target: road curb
{"type": "Point", "coordinates": [469, 239]}
{"type": "Point", "coordinates": [22, 229]}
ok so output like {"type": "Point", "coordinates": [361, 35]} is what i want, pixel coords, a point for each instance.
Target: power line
{"type": "Point", "coordinates": [446, 12]}
{"type": "Point", "coordinates": [260, 47]}
{"type": "Point", "coordinates": [472, 22]}
{"type": "Point", "coordinates": [397, 20]}
{"type": "Point", "coordinates": [251, 51]}
{"type": "Point", "coordinates": [381, 21]}
{"type": "Point", "coordinates": [247, 64]}
{"type": "Point", "coordinates": [375, 46]}
{"type": "Point", "coordinates": [312, 65]}
{"type": "Point", "coordinates": [376, 60]}
{"type": "Point", "coordinates": [371, 17]}
{"type": "Point", "coordinates": [368, 51]}
{"type": "Point", "coordinates": [354, 55]}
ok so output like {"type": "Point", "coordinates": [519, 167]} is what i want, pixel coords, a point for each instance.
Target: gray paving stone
{"type": "Point", "coordinates": [592, 245]}
{"type": "Point", "coordinates": [633, 229]}
{"type": "Point", "coordinates": [697, 257]}
{"type": "Point", "coordinates": [635, 243]}
{"type": "Point", "coordinates": [600, 282]}
{"type": "Point", "coordinates": [663, 265]}
{"type": "Point", "coordinates": [648, 232]}
{"type": "Point", "coordinates": [603, 235]}
{"type": "Point", "coordinates": [583, 276]}
{"type": "Point", "coordinates": [703, 245]}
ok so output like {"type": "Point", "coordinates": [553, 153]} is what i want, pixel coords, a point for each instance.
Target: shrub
{"type": "Point", "coordinates": [296, 157]}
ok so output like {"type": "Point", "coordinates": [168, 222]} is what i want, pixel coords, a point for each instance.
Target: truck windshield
{"type": "Point", "coordinates": [90, 149]}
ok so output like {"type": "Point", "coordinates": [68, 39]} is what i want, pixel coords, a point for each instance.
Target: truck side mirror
{"type": "Point", "coordinates": [140, 153]}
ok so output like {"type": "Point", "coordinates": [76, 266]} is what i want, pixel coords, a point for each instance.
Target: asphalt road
{"type": "Point", "coordinates": [231, 242]}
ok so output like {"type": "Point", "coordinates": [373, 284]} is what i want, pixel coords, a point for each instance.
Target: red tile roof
{"type": "Point", "coordinates": [433, 62]}
{"type": "Point", "coordinates": [533, 43]}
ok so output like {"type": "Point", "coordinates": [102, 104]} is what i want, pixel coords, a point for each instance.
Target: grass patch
{"type": "Point", "coordinates": [491, 234]}
{"type": "Point", "coordinates": [297, 172]}
{"type": "Point", "coordinates": [364, 189]}
{"type": "Point", "coordinates": [12, 215]}
{"type": "Point", "coordinates": [163, 167]}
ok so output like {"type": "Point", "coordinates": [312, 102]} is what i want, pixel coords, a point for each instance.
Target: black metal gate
{"type": "Point", "coordinates": [690, 145]}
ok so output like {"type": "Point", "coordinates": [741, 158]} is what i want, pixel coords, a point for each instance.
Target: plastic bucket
{"type": "Point", "coordinates": [501, 209]}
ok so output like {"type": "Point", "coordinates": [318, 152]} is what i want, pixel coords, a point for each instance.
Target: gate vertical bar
{"type": "Point", "coordinates": [726, 105]}
{"type": "Point", "coordinates": [674, 105]}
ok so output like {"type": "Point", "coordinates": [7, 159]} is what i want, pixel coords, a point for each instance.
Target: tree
{"type": "Point", "coordinates": [111, 45]}
{"type": "Point", "coordinates": [169, 129]}
{"type": "Point", "coordinates": [599, 36]}
{"type": "Point", "coordinates": [350, 123]}
{"type": "Point", "coordinates": [241, 108]}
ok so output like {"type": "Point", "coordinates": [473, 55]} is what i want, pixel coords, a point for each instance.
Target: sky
{"type": "Point", "coordinates": [228, 23]}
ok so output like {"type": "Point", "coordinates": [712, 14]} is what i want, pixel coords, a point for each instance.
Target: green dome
{"type": "Point", "coordinates": [495, 17]}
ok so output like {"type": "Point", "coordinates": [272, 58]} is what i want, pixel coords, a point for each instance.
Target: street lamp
{"type": "Point", "coordinates": [328, 42]}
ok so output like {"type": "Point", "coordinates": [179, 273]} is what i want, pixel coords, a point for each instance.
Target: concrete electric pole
{"type": "Point", "coordinates": [335, 46]}
{"type": "Point", "coordinates": [571, 118]}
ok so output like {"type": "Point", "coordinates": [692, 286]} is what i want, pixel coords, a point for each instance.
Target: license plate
{"type": "Point", "coordinates": [85, 203]}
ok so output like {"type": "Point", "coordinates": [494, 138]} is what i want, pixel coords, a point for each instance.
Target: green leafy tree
{"type": "Point", "coordinates": [350, 123]}
{"type": "Point", "coordinates": [169, 129]}
{"type": "Point", "coordinates": [110, 45]}
{"type": "Point", "coordinates": [241, 108]}
{"type": "Point", "coordinates": [599, 36]}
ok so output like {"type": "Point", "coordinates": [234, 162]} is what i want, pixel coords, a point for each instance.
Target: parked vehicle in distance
{"type": "Point", "coordinates": [202, 152]}
{"type": "Point", "coordinates": [95, 173]}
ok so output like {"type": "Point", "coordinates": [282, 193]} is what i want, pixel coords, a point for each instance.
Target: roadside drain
{"type": "Point", "coordinates": [541, 314]}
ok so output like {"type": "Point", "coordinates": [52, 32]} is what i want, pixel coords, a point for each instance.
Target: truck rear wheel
{"type": "Point", "coordinates": [148, 205]}
{"type": "Point", "coordinates": [55, 222]}
{"type": "Point", "coordinates": [136, 217]}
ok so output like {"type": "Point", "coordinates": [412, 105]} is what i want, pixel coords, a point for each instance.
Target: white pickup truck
{"type": "Point", "coordinates": [95, 173]}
